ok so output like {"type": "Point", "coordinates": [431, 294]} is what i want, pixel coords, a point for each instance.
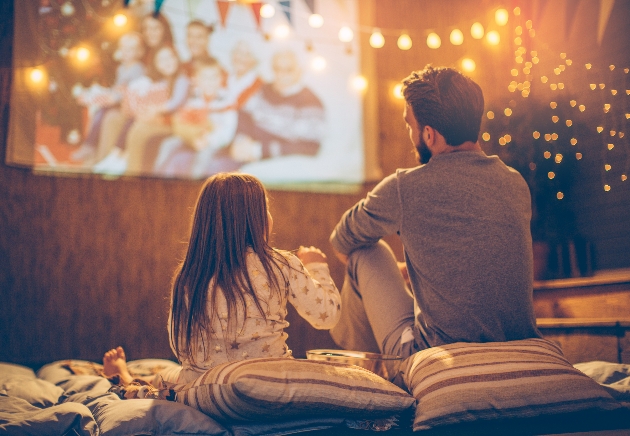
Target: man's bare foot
{"type": "Point", "coordinates": [115, 363]}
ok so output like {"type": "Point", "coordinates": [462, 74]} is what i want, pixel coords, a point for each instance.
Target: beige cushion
{"type": "Point", "coordinates": [466, 382]}
{"type": "Point", "coordinates": [283, 387]}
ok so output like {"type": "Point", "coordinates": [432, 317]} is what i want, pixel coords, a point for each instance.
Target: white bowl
{"type": "Point", "coordinates": [381, 364]}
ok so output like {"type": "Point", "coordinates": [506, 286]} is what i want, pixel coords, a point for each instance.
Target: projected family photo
{"type": "Point", "coordinates": [201, 87]}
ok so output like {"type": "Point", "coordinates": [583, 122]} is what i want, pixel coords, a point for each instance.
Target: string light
{"type": "Point", "coordinates": [359, 83]}
{"type": "Point", "coordinates": [397, 91]}
{"type": "Point", "coordinates": [606, 188]}
{"type": "Point", "coordinates": [536, 134]}
{"type": "Point", "coordinates": [611, 146]}
{"type": "Point", "coordinates": [346, 34]}
{"type": "Point", "coordinates": [486, 136]}
{"type": "Point", "coordinates": [559, 195]}
{"type": "Point", "coordinates": [477, 31]}
{"type": "Point", "coordinates": [578, 156]}
{"type": "Point", "coordinates": [120, 20]}
{"type": "Point", "coordinates": [82, 54]}
{"type": "Point", "coordinates": [318, 63]}
{"type": "Point", "coordinates": [490, 115]}
{"type": "Point", "coordinates": [468, 65]}
{"type": "Point", "coordinates": [376, 39]}
{"type": "Point", "coordinates": [315, 21]}
{"type": "Point", "coordinates": [551, 175]}
{"type": "Point", "coordinates": [281, 31]}
{"type": "Point", "coordinates": [501, 17]}
{"type": "Point", "coordinates": [37, 75]}
{"type": "Point", "coordinates": [574, 141]}
{"type": "Point", "coordinates": [507, 111]}
{"type": "Point", "coordinates": [267, 11]}
{"type": "Point", "coordinates": [457, 37]}
{"type": "Point", "coordinates": [404, 42]}
{"type": "Point", "coordinates": [493, 37]}
{"type": "Point", "coordinates": [433, 40]}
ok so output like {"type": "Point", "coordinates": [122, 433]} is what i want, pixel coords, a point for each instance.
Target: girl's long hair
{"type": "Point", "coordinates": [230, 218]}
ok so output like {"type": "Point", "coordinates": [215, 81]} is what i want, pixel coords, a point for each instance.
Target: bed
{"type": "Point", "coordinates": [520, 387]}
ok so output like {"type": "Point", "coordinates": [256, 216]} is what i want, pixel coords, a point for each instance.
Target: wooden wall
{"type": "Point", "coordinates": [86, 263]}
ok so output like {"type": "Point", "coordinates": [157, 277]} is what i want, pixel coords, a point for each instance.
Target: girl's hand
{"type": "Point", "coordinates": [310, 255]}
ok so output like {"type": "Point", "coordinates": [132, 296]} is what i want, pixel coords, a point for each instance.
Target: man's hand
{"type": "Point", "coordinates": [342, 257]}
{"type": "Point", "coordinates": [310, 255]}
{"type": "Point", "coordinates": [402, 267]}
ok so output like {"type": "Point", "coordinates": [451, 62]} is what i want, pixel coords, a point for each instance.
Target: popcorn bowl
{"type": "Point", "coordinates": [383, 365]}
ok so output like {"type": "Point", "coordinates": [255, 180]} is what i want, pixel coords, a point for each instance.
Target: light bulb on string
{"type": "Point", "coordinates": [346, 34]}
{"type": "Point", "coordinates": [404, 42]}
{"type": "Point", "coordinates": [433, 40]}
{"type": "Point", "coordinates": [318, 63]}
{"type": "Point", "coordinates": [281, 31]}
{"type": "Point", "coordinates": [477, 31]}
{"type": "Point", "coordinates": [82, 54]}
{"type": "Point", "coordinates": [468, 65]}
{"type": "Point", "coordinates": [501, 17]}
{"type": "Point", "coordinates": [457, 37]}
{"type": "Point", "coordinates": [376, 39]}
{"type": "Point", "coordinates": [36, 75]}
{"type": "Point", "coordinates": [267, 11]}
{"type": "Point", "coordinates": [359, 83]}
{"type": "Point", "coordinates": [315, 21]}
{"type": "Point", "coordinates": [120, 20]}
{"type": "Point", "coordinates": [493, 37]}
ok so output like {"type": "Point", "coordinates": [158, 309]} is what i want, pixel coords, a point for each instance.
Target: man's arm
{"type": "Point", "coordinates": [369, 220]}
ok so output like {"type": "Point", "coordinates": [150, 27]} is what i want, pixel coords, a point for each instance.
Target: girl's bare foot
{"type": "Point", "coordinates": [115, 363]}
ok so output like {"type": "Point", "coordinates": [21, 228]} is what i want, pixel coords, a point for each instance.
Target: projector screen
{"type": "Point", "coordinates": [202, 87]}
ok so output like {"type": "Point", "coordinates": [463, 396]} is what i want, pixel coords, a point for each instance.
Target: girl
{"type": "Point", "coordinates": [150, 100]}
{"type": "Point", "coordinates": [230, 294]}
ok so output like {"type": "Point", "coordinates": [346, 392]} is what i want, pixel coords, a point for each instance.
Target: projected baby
{"type": "Point", "coordinates": [100, 99]}
{"type": "Point", "coordinates": [283, 118]}
{"type": "Point", "coordinates": [200, 128]}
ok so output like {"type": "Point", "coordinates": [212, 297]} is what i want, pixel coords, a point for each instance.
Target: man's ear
{"type": "Point", "coordinates": [428, 134]}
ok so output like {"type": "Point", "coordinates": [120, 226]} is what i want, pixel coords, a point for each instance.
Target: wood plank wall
{"type": "Point", "coordinates": [86, 263]}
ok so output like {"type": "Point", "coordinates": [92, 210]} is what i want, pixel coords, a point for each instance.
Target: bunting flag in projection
{"type": "Point", "coordinates": [158, 5]}
{"type": "Point", "coordinates": [223, 7]}
{"type": "Point", "coordinates": [310, 4]}
{"type": "Point", "coordinates": [256, 8]}
{"type": "Point", "coordinates": [286, 8]}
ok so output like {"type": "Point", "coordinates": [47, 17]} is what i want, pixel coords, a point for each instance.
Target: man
{"type": "Point", "coordinates": [283, 118]}
{"type": "Point", "coordinates": [463, 218]}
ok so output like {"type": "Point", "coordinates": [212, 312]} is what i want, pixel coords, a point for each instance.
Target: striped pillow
{"type": "Point", "coordinates": [284, 387]}
{"type": "Point", "coordinates": [466, 382]}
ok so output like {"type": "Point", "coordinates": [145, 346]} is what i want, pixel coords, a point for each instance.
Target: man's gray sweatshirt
{"type": "Point", "coordinates": [464, 221]}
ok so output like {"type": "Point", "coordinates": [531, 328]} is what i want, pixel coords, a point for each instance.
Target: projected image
{"type": "Point", "coordinates": [202, 87]}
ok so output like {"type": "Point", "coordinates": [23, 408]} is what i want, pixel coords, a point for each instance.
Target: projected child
{"type": "Point", "coordinates": [284, 118]}
{"type": "Point", "coordinates": [243, 80]}
{"type": "Point", "coordinates": [197, 40]}
{"type": "Point", "coordinates": [100, 99]}
{"type": "Point", "coordinates": [149, 102]}
{"type": "Point", "coordinates": [203, 126]}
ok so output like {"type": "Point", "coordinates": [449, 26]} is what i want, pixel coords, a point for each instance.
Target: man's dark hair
{"type": "Point", "coordinates": [446, 100]}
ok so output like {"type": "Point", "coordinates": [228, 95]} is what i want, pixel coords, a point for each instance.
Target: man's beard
{"type": "Point", "coordinates": [423, 152]}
